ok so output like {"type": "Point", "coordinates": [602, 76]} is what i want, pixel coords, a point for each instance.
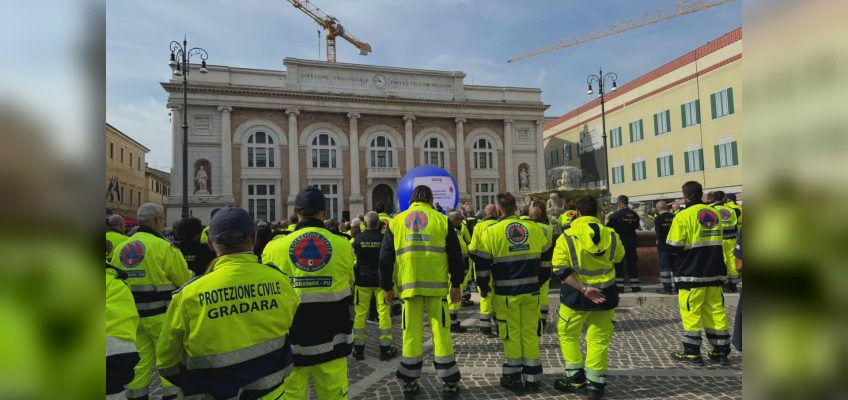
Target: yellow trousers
{"type": "Point", "coordinates": [487, 309]}
{"type": "Point", "coordinates": [454, 308]}
{"type": "Point", "coordinates": [730, 260]}
{"type": "Point", "coordinates": [703, 309]}
{"type": "Point", "coordinates": [146, 337]}
{"type": "Point", "coordinates": [412, 321]}
{"type": "Point", "coordinates": [520, 329]}
{"type": "Point", "coordinates": [329, 380]}
{"type": "Point", "coordinates": [361, 305]}
{"type": "Point", "coordinates": [543, 304]}
{"type": "Point", "coordinates": [598, 338]}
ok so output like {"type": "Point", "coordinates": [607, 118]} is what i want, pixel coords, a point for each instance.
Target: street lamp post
{"type": "Point", "coordinates": [180, 57]}
{"type": "Point", "coordinates": [600, 79]}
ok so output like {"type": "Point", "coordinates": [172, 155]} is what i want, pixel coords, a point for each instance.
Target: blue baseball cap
{"type": "Point", "coordinates": [231, 225]}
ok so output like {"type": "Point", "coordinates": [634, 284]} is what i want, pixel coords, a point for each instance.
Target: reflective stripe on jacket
{"type": "Point", "coordinates": [155, 268]}
{"type": "Point", "coordinates": [320, 266]}
{"type": "Point", "coordinates": [589, 251]}
{"type": "Point", "coordinates": [510, 252]}
{"type": "Point", "coordinates": [424, 248]}
{"type": "Point", "coordinates": [226, 333]}
{"type": "Point", "coordinates": [121, 325]}
{"type": "Point", "coordinates": [695, 246]}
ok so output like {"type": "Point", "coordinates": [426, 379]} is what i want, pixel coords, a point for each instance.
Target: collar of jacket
{"type": "Point", "coordinates": [490, 219]}
{"type": "Point", "coordinates": [115, 230]}
{"type": "Point", "coordinates": [585, 220]}
{"type": "Point", "coordinates": [310, 222]}
{"type": "Point", "coordinates": [508, 217]}
{"type": "Point", "coordinates": [421, 204]}
{"type": "Point", "coordinates": [692, 203]}
{"type": "Point", "coordinates": [234, 258]}
{"type": "Point", "coordinates": [142, 228]}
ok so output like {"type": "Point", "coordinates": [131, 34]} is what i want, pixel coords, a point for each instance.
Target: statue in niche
{"type": "Point", "coordinates": [202, 170]}
{"type": "Point", "coordinates": [523, 177]}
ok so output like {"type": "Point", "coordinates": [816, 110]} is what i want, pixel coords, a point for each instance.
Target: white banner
{"type": "Point", "coordinates": [444, 191]}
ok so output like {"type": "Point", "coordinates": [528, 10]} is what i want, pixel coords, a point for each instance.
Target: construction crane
{"type": "Point", "coordinates": [332, 27]}
{"type": "Point", "coordinates": [683, 8]}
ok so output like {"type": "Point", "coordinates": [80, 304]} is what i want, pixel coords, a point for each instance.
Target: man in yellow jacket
{"type": "Point", "coordinates": [121, 326]}
{"type": "Point", "coordinates": [226, 332]}
{"type": "Point", "coordinates": [585, 256]}
{"type": "Point", "coordinates": [695, 246]}
{"type": "Point", "coordinates": [320, 266]}
{"type": "Point", "coordinates": [510, 253]}
{"type": "Point", "coordinates": [490, 217]}
{"type": "Point", "coordinates": [428, 255]}
{"type": "Point", "coordinates": [155, 268]}
{"type": "Point", "coordinates": [115, 228]}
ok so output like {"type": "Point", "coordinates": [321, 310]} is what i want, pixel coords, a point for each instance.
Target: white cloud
{"type": "Point", "coordinates": [147, 122]}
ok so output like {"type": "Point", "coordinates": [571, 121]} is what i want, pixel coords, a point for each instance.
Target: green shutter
{"type": "Point", "coordinates": [713, 103]}
{"type": "Point", "coordinates": [730, 100]}
{"type": "Point", "coordinates": [667, 114]}
{"type": "Point", "coordinates": [697, 111]}
{"type": "Point", "coordinates": [659, 166]}
{"type": "Point", "coordinates": [686, 162]}
{"type": "Point", "coordinates": [683, 115]}
{"type": "Point", "coordinates": [641, 129]}
{"type": "Point", "coordinates": [633, 170]}
{"type": "Point", "coordinates": [671, 165]}
{"type": "Point", "coordinates": [717, 157]}
{"type": "Point", "coordinates": [656, 124]}
{"type": "Point", "coordinates": [701, 159]}
{"type": "Point", "coordinates": [630, 128]}
{"type": "Point", "coordinates": [735, 154]}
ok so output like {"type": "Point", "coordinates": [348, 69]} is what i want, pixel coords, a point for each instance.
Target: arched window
{"type": "Point", "coordinates": [260, 150]}
{"type": "Point", "coordinates": [484, 155]}
{"type": "Point", "coordinates": [434, 152]}
{"type": "Point", "coordinates": [324, 151]}
{"type": "Point", "coordinates": [381, 152]}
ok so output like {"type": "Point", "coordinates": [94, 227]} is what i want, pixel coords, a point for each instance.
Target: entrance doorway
{"type": "Point", "coordinates": [384, 194]}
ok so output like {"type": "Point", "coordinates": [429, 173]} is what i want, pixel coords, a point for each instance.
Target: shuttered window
{"type": "Point", "coordinates": [662, 122]}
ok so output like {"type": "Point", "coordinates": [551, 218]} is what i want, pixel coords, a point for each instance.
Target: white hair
{"type": "Point", "coordinates": [372, 220]}
{"type": "Point", "coordinates": [114, 221]}
{"type": "Point", "coordinates": [148, 212]}
{"type": "Point", "coordinates": [356, 221]}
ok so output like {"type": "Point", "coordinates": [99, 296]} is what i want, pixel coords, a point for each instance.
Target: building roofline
{"type": "Point", "coordinates": [146, 150]}
{"type": "Point", "coordinates": [688, 58]}
{"type": "Point", "coordinates": [157, 172]}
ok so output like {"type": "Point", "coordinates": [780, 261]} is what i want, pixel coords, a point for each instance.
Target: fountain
{"type": "Point", "coordinates": [567, 183]}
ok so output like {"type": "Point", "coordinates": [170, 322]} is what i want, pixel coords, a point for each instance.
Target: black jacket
{"type": "Point", "coordinates": [662, 224]}
{"type": "Point", "coordinates": [366, 245]}
{"type": "Point", "coordinates": [625, 222]}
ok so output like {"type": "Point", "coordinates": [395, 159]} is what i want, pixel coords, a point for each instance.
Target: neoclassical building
{"type": "Point", "coordinates": [257, 137]}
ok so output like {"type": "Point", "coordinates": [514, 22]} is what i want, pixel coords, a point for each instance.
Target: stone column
{"type": "Point", "coordinates": [226, 152]}
{"type": "Point", "coordinates": [540, 156]}
{"type": "Point", "coordinates": [356, 202]}
{"type": "Point", "coordinates": [294, 162]}
{"type": "Point", "coordinates": [460, 159]}
{"type": "Point", "coordinates": [407, 138]}
{"type": "Point", "coordinates": [176, 153]}
{"type": "Point", "coordinates": [509, 165]}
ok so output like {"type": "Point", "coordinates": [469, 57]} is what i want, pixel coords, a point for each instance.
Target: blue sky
{"type": "Point", "coordinates": [473, 36]}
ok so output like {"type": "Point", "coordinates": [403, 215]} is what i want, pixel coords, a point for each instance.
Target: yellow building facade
{"type": "Point", "coordinates": [125, 166]}
{"type": "Point", "coordinates": [158, 186]}
{"type": "Point", "coordinates": [677, 123]}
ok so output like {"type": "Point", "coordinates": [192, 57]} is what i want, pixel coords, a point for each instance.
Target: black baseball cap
{"type": "Point", "coordinates": [231, 225]}
{"type": "Point", "coordinates": [311, 198]}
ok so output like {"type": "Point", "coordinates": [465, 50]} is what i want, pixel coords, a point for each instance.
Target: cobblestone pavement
{"type": "Point", "coordinates": [640, 365]}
